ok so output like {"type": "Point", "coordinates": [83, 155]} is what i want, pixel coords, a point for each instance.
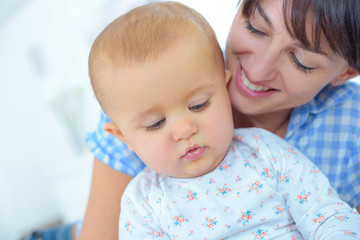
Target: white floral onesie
{"type": "Point", "coordinates": [263, 189]}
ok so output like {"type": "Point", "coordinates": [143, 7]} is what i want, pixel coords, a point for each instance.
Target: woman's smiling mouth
{"type": "Point", "coordinates": [251, 86]}
{"type": "Point", "coordinates": [249, 89]}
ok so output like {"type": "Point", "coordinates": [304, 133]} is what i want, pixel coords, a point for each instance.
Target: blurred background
{"type": "Point", "coordinates": [47, 105]}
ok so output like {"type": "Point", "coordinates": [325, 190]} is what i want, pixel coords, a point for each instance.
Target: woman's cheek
{"type": "Point", "coordinates": [235, 42]}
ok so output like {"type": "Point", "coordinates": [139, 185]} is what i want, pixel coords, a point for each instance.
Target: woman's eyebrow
{"type": "Point", "coordinates": [263, 15]}
{"type": "Point", "coordinates": [313, 50]}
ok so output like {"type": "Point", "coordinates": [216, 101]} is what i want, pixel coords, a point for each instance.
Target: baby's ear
{"type": "Point", "coordinates": [227, 76]}
{"type": "Point", "coordinates": [114, 130]}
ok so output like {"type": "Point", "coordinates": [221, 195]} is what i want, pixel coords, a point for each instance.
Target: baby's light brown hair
{"type": "Point", "coordinates": [142, 35]}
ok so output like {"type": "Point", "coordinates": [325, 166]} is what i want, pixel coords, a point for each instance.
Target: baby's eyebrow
{"type": "Point", "coordinates": [150, 110]}
{"type": "Point", "coordinates": [141, 114]}
{"type": "Point", "coordinates": [199, 89]}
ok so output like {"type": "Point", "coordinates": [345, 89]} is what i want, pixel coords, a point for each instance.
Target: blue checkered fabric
{"type": "Point", "coordinates": [112, 151]}
{"type": "Point", "coordinates": [327, 130]}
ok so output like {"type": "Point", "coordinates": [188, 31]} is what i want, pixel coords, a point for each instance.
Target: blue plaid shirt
{"type": "Point", "coordinates": [327, 130]}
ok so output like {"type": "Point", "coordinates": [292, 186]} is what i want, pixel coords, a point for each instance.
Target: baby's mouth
{"type": "Point", "coordinates": [194, 152]}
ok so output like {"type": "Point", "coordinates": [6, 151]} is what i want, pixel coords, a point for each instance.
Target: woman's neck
{"type": "Point", "coordinates": [275, 122]}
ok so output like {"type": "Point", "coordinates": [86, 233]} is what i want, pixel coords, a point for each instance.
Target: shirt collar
{"type": "Point", "coordinates": [325, 99]}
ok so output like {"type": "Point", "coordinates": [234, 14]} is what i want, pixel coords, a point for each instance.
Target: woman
{"type": "Point", "coordinates": [290, 62]}
{"type": "Point", "coordinates": [293, 84]}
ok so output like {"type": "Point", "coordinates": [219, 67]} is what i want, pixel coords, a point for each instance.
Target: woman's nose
{"type": "Point", "coordinates": [184, 129]}
{"type": "Point", "coordinates": [264, 65]}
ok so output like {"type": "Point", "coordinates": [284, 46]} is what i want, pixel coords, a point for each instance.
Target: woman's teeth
{"type": "Point", "coordinates": [251, 86]}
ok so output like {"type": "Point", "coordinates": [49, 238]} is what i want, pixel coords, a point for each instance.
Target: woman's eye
{"type": "Point", "coordinates": [299, 65]}
{"type": "Point", "coordinates": [156, 125]}
{"type": "Point", "coordinates": [199, 107]}
{"type": "Point", "coordinates": [253, 30]}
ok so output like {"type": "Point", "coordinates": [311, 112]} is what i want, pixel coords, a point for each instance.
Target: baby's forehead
{"type": "Point", "coordinates": [145, 46]}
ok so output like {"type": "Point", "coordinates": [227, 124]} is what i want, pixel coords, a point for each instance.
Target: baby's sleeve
{"type": "Point", "coordinates": [314, 205]}
{"type": "Point", "coordinates": [111, 151]}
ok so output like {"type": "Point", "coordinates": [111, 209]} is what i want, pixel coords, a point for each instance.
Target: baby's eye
{"type": "Point", "coordinates": [199, 107]}
{"type": "Point", "coordinates": [156, 125]}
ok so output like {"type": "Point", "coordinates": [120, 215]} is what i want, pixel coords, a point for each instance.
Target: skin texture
{"type": "Point", "coordinates": [191, 95]}
{"type": "Point", "coordinates": [261, 48]}
{"type": "Point", "coordinates": [267, 59]}
{"type": "Point", "coordinates": [181, 103]}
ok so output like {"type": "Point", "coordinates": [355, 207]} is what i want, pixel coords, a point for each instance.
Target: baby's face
{"type": "Point", "coordinates": [174, 112]}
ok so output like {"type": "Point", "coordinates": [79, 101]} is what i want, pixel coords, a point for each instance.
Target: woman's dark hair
{"type": "Point", "coordinates": [337, 20]}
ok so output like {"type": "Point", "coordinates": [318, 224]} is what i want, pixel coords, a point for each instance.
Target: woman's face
{"type": "Point", "coordinates": [272, 71]}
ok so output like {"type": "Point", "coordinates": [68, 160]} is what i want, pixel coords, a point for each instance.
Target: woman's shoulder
{"type": "Point", "coordinates": [332, 103]}
{"type": "Point", "coordinates": [332, 113]}
{"type": "Point", "coordinates": [347, 93]}
{"type": "Point", "coordinates": [345, 100]}
{"type": "Point", "coordinates": [352, 86]}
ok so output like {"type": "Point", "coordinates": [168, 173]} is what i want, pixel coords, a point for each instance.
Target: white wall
{"type": "Point", "coordinates": [40, 52]}
{"type": "Point", "coordinates": [45, 168]}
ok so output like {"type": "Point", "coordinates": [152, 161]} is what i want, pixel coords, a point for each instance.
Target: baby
{"type": "Point", "coordinates": [158, 73]}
